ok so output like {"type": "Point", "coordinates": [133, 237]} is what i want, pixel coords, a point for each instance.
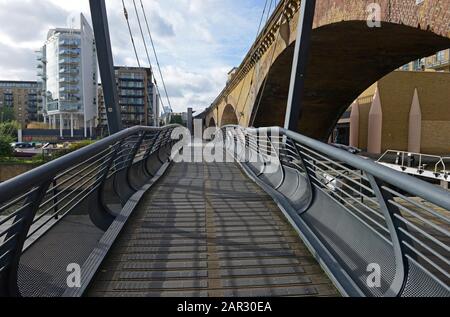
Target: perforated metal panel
{"type": "Point", "coordinates": [43, 267]}
{"type": "Point", "coordinates": [420, 284]}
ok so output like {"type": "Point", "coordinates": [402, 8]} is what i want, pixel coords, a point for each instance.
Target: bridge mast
{"type": "Point", "coordinates": [299, 64]}
{"type": "Point", "coordinates": [106, 64]}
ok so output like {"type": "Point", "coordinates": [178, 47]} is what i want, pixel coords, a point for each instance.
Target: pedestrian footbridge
{"type": "Point", "coordinates": [281, 215]}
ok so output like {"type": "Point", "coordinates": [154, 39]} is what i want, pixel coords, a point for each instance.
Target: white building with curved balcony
{"type": "Point", "coordinates": [68, 70]}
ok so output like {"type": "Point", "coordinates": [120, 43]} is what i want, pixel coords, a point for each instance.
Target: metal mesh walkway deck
{"type": "Point", "coordinates": [208, 230]}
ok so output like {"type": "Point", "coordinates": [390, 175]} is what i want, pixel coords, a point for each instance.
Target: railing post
{"type": "Point", "coordinates": [55, 198]}
{"type": "Point", "coordinates": [389, 212]}
{"type": "Point", "coordinates": [309, 179]}
{"type": "Point", "coordinates": [150, 148]}
{"type": "Point", "coordinates": [104, 219]}
{"type": "Point", "coordinates": [133, 155]}
{"type": "Point", "coordinates": [18, 235]}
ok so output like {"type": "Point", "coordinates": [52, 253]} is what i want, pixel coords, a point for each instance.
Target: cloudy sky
{"type": "Point", "coordinates": [198, 41]}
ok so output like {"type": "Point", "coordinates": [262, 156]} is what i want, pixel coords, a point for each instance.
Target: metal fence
{"type": "Point", "coordinates": [55, 215]}
{"type": "Point", "coordinates": [376, 231]}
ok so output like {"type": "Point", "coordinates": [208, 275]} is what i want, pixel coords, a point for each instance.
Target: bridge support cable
{"type": "Point", "coordinates": [156, 56]}
{"type": "Point", "coordinates": [299, 64]}
{"type": "Point", "coordinates": [106, 64]}
{"type": "Point", "coordinates": [146, 51]}
{"type": "Point", "coordinates": [125, 13]}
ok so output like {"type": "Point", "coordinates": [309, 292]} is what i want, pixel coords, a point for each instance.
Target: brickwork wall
{"type": "Point", "coordinates": [430, 14]}
{"type": "Point", "coordinates": [396, 92]}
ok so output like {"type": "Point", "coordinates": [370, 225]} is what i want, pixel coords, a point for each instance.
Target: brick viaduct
{"type": "Point", "coordinates": [347, 56]}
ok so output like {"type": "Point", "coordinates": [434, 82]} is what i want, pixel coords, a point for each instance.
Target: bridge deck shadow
{"type": "Point", "coordinates": [208, 230]}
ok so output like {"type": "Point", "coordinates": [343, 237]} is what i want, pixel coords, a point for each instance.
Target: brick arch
{"type": "Point", "coordinates": [212, 123]}
{"type": "Point", "coordinates": [229, 116]}
{"type": "Point", "coordinates": [347, 56]}
{"type": "Point", "coordinates": [339, 75]}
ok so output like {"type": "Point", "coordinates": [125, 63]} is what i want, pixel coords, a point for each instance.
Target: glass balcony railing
{"type": "Point", "coordinates": [71, 71]}
{"type": "Point", "coordinates": [70, 107]}
{"type": "Point", "coordinates": [72, 52]}
{"type": "Point", "coordinates": [438, 63]}
{"type": "Point", "coordinates": [70, 97]}
{"type": "Point", "coordinates": [69, 80]}
{"type": "Point", "coordinates": [69, 43]}
{"type": "Point", "coordinates": [72, 90]}
{"type": "Point", "coordinates": [41, 75]}
{"type": "Point", "coordinates": [41, 58]}
{"type": "Point", "coordinates": [69, 61]}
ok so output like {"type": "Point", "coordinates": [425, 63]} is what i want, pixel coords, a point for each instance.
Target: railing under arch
{"type": "Point", "coordinates": [377, 232]}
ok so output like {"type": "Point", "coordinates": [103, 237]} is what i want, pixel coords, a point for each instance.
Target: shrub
{"type": "Point", "coordinates": [9, 129]}
{"type": "Point", "coordinates": [72, 148]}
{"type": "Point", "coordinates": [6, 149]}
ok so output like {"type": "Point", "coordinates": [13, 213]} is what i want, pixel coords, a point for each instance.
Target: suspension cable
{"type": "Point", "coordinates": [156, 56]}
{"type": "Point", "coordinates": [146, 50]}
{"type": "Point", "coordinates": [125, 13]}
{"type": "Point", "coordinates": [261, 19]}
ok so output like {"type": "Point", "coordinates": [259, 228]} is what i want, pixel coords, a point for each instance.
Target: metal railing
{"type": "Point", "coordinates": [56, 214]}
{"type": "Point", "coordinates": [437, 166]}
{"type": "Point", "coordinates": [377, 232]}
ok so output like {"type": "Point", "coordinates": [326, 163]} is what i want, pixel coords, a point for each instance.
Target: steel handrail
{"type": "Point", "coordinates": [76, 184]}
{"type": "Point", "coordinates": [36, 176]}
{"type": "Point", "coordinates": [435, 195]}
{"type": "Point", "coordinates": [408, 226]}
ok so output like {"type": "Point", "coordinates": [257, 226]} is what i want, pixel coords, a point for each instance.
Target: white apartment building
{"type": "Point", "coordinates": [68, 70]}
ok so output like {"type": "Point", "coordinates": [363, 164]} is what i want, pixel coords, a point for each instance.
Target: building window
{"type": "Point", "coordinates": [440, 56]}
{"type": "Point", "coordinates": [419, 64]}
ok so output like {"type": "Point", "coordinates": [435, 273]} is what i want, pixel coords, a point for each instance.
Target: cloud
{"type": "Point", "coordinates": [162, 27]}
{"type": "Point", "coordinates": [197, 41]}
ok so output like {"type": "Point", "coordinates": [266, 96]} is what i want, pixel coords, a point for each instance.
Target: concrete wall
{"type": "Point", "coordinates": [9, 171]}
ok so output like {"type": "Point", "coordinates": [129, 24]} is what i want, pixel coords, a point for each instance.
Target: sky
{"type": "Point", "coordinates": [198, 41]}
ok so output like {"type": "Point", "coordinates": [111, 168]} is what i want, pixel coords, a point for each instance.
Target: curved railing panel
{"type": "Point", "coordinates": [388, 232]}
{"type": "Point", "coordinates": [54, 216]}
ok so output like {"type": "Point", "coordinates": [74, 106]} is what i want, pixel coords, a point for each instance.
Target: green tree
{"type": "Point", "coordinates": [72, 148]}
{"type": "Point", "coordinates": [9, 128]}
{"type": "Point", "coordinates": [6, 114]}
{"type": "Point", "coordinates": [176, 119]}
{"type": "Point", "coordinates": [6, 149]}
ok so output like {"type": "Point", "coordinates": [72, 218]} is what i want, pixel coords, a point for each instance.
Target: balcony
{"type": "Point", "coordinates": [69, 43]}
{"type": "Point", "coordinates": [41, 58]}
{"type": "Point", "coordinates": [438, 63]}
{"type": "Point", "coordinates": [69, 80]}
{"type": "Point", "coordinates": [69, 90]}
{"type": "Point", "coordinates": [73, 61]}
{"type": "Point", "coordinates": [70, 107]}
{"type": "Point", "coordinates": [70, 53]}
{"type": "Point", "coordinates": [42, 75]}
{"type": "Point", "coordinates": [71, 71]}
